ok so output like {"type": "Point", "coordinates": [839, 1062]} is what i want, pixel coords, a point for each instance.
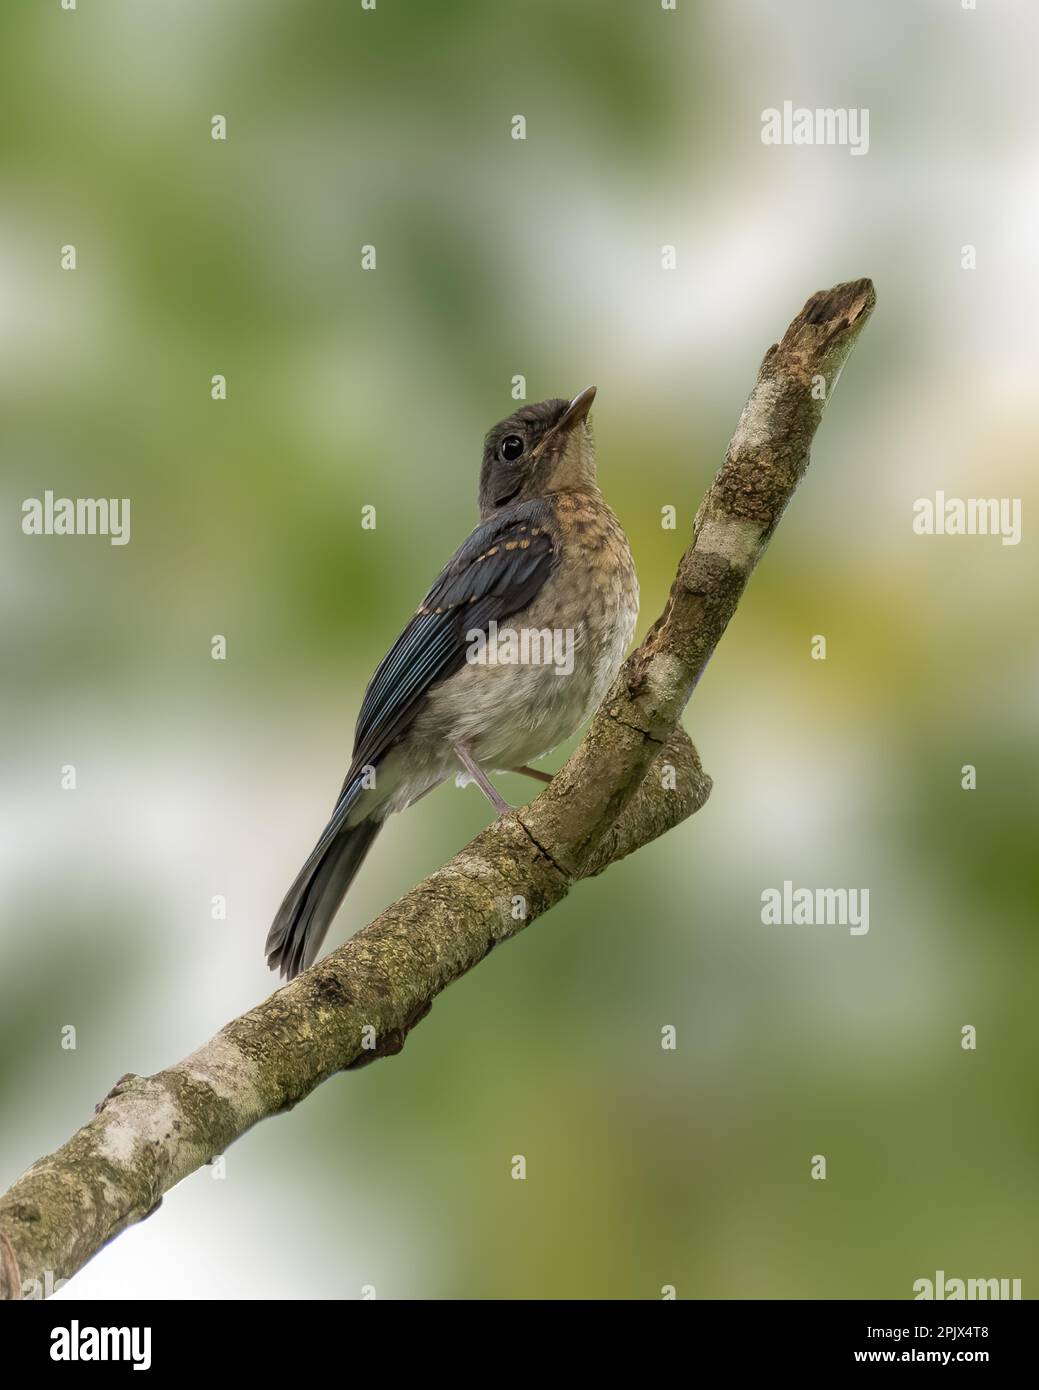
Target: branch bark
{"type": "Point", "coordinates": [634, 776]}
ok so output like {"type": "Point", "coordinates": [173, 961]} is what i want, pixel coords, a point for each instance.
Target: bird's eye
{"type": "Point", "coordinates": [510, 448]}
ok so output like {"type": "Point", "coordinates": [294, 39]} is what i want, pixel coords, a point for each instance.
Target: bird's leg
{"type": "Point", "coordinates": [480, 778]}
{"type": "Point", "coordinates": [534, 772]}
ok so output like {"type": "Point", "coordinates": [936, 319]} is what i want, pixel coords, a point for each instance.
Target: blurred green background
{"type": "Point", "coordinates": [347, 388]}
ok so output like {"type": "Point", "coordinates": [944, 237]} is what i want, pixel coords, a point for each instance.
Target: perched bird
{"type": "Point", "coordinates": [548, 559]}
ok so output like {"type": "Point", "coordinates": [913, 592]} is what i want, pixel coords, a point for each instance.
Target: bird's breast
{"type": "Point", "coordinates": [545, 669]}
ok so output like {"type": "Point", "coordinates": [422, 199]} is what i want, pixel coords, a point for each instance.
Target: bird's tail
{"type": "Point", "coordinates": [305, 916]}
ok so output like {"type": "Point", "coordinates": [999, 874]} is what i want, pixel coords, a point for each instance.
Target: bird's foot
{"type": "Point", "coordinates": [481, 779]}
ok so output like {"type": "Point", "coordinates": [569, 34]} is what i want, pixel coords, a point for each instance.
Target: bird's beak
{"type": "Point", "coordinates": [577, 409]}
{"type": "Point", "coordinates": [572, 415]}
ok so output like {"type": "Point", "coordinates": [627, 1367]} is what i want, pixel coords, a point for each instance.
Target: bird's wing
{"type": "Point", "coordinates": [494, 574]}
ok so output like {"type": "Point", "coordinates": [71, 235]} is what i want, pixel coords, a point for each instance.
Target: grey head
{"type": "Point", "coordinates": [541, 449]}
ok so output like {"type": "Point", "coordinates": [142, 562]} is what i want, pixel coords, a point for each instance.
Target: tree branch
{"type": "Point", "coordinates": [634, 776]}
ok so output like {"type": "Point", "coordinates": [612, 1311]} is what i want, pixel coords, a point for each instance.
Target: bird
{"type": "Point", "coordinates": [548, 559]}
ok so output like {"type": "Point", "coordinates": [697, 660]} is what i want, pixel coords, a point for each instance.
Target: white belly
{"type": "Point", "coordinates": [512, 714]}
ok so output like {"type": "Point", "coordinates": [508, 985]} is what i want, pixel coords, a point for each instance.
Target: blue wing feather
{"type": "Point", "coordinates": [483, 581]}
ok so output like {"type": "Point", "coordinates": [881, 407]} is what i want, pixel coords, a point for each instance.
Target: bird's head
{"type": "Point", "coordinates": [543, 448]}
